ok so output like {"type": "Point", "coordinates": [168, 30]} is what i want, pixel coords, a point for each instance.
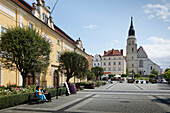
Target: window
{"type": "Point", "coordinates": [114, 58]}
{"type": "Point", "coordinates": [104, 58]}
{"type": "Point", "coordinates": [119, 63]}
{"type": "Point", "coordinates": [132, 42]}
{"type": "Point", "coordinates": [104, 63]}
{"type": "Point", "coordinates": [45, 18]}
{"type": "Point", "coordinates": [132, 57]}
{"type": "Point", "coordinates": [109, 63]}
{"type": "Point", "coordinates": [109, 58]}
{"type": "Point", "coordinates": [132, 49]}
{"type": "Point", "coordinates": [114, 69]}
{"type": "Point", "coordinates": [58, 55]}
{"type": "Point", "coordinates": [151, 67]}
{"type": "Point", "coordinates": [104, 69]}
{"type": "Point", "coordinates": [58, 42]}
{"type": "Point", "coordinates": [90, 64]}
{"type": "Point", "coordinates": [119, 58]}
{"type": "Point", "coordinates": [119, 69]}
{"type": "Point", "coordinates": [132, 65]}
{"type": "Point", "coordinates": [30, 25]}
{"type": "Point", "coordinates": [94, 64]}
{"type": "Point", "coordinates": [141, 63]}
{"type": "Point", "coordinates": [98, 64]}
{"type": "Point", "coordinates": [114, 63]}
{"type": "Point", "coordinates": [109, 68]}
{"type": "Point", "coordinates": [3, 30]}
{"type": "Point", "coordinates": [96, 59]}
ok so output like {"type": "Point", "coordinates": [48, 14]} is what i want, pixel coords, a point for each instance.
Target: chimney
{"type": "Point", "coordinates": [112, 51]}
{"type": "Point", "coordinates": [83, 49]}
{"type": "Point", "coordinates": [104, 52]}
{"type": "Point", "coordinates": [121, 51]}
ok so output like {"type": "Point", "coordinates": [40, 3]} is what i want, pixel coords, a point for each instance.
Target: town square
{"type": "Point", "coordinates": [84, 56]}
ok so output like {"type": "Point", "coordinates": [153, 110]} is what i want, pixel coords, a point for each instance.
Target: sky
{"type": "Point", "coordinates": [103, 25]}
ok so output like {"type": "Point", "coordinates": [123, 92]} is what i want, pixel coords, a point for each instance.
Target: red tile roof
{"type": "Point", "coordinates": [112, 53]}
{"type": "Point", "coordinates": [107, 72]}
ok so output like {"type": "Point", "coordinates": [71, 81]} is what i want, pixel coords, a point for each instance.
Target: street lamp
{"type": "Point", "coordinates": [57, 87]}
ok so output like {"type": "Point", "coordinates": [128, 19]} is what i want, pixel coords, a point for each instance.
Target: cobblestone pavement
{"type": "Point", "coordinates": [111, 98]}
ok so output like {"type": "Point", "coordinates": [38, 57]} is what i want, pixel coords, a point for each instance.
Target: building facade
{"type": "Point", "coordinates": [145, 65]}
{"type": "Point", "coordinates": [19, 13]}
{"type": "Point", "coordinates": [113, 62]}
{"type": "Point", "coordinates": [90, 60]}
{"type": "Point", "coordinates": [97, 60]}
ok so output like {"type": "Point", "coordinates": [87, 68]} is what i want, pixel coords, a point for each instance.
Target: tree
{"type": "Point", "coordinates": [91, 76]}
{"type": "Point", "coordinates": [167, 69]}
{"type": "Point", "coordinates": [154, 71]}
{"type": "Point", "coordinates": [137, 75]}
{"type": "Point", "coordinates": [152, 76]}
{"type": "Point", "coordinates": [127, 72]}
{"type": "Point", "coordinates": [24, 49]}
{"type": "Point", "coordinates": [98, 71]}
{"type": "Point", "coordinates": [74, 64]}
{"type": "Point", "coordinates": [167, 74]}
{"type": "Point", "coordinates": [111, 75]}
{"type": "Point", "coordinates": [124, 75]}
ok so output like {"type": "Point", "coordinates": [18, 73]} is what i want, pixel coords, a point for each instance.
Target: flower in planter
{"type": "Point", "coordinates": [72, 88]}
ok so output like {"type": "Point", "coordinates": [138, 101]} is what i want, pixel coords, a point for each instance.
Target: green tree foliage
{"type": "Point", "coordinates": [91, 76]}
{"type": "Point", "coordinates": [98, 71]}
{"type": "Point", "coordinates": [137, 75]}
{"type": "Point", "coordinates": [124, 75]}
{"type": "Point", "coordinates": [111, 75]}
{"type": "Point", "coordinates": [152, 76]}
{"type": "Point", "coordinates": [154, 71]}
{"type": "Point", "coordinates": [167, 74]}
{"type": "Point", "coordinates": [24, 49]}
{"type": "Point", "coordinates": [74, 64]}
{"type": "Point", "coordinates": [127, 72]}
{"type": "Point", "coordinates": [167, 69]}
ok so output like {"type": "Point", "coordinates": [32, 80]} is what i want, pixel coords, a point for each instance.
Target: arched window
{"type": "Point", "coordinates": [141, 63]}
{"type": "Point", "coordinates": [132, 49]}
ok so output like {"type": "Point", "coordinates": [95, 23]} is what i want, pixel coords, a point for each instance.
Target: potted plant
{"type": "Point", "coordinates": [137, 81]}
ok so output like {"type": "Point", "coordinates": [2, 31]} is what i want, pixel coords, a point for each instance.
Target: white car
{"type": "Point", "coordinates": [164, 81]}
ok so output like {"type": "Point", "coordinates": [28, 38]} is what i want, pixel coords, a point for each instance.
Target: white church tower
{"type": "Point", "coordinates": [131, 50]}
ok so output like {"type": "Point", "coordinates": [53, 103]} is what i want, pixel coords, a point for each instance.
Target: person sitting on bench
{"type": "Point", "coordinates": [47, 95]}
{"type": "Point", "coordinates": [40, 95]}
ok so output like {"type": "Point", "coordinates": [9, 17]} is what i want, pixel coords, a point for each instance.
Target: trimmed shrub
{"type": "Point", "coordinates": [17, 99]}
{"type": "Point", "coordinates": [13, 100]}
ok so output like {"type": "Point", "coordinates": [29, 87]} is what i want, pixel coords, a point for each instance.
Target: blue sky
{"type": "Point", "coordinates": [104, 24]}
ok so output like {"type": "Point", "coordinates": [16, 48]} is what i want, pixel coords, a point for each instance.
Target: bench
{"type": "Point", "coordinates": [32, 98]}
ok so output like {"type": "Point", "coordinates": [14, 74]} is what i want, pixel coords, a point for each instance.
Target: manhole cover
{"type": "Point", "coordinates": [124, 101]}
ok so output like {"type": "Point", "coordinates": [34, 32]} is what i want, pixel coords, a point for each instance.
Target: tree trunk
{"type": "Point", "coordinates": [67, 80]}
{"type": "Point", "coordinates": [24, 81]}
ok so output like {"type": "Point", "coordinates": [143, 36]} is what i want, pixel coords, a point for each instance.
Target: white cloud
{"type": "Point", "coordinates": [158, 49]}
{"type": "Point", "coordinates": [169, 27]}
{"type": "Point", "coordinates": [91, 26]}
{"type": "Point", "coordinates": [116, 41]}
{"type": "Point", "coordinates": [158, 10]}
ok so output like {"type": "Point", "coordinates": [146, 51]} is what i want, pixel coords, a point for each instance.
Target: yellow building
{"type": "Point", "coordinates": [19, 13]}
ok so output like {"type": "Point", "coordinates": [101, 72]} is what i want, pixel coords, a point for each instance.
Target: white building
{"type": "Point", "coordinates": [145, 65]}
{"type": "Point", "coordinates": [97, 60]}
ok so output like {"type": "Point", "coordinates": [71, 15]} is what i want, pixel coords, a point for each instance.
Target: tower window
{"type": "Point", "coordinates": [132, 49]}
{"type": "Point", "coordinates": [132, 57]}
{"type": "Point", "coordinates": [151, 67]}
{"type": "Point", "coordinates": [132, 65]}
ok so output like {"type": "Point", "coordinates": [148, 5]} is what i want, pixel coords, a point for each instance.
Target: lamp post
{"type": "Point", "coordinates": [57, 87]}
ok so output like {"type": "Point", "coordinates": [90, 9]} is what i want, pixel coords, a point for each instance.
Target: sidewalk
{"type": "Point", "coordinates": [57, 105]}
